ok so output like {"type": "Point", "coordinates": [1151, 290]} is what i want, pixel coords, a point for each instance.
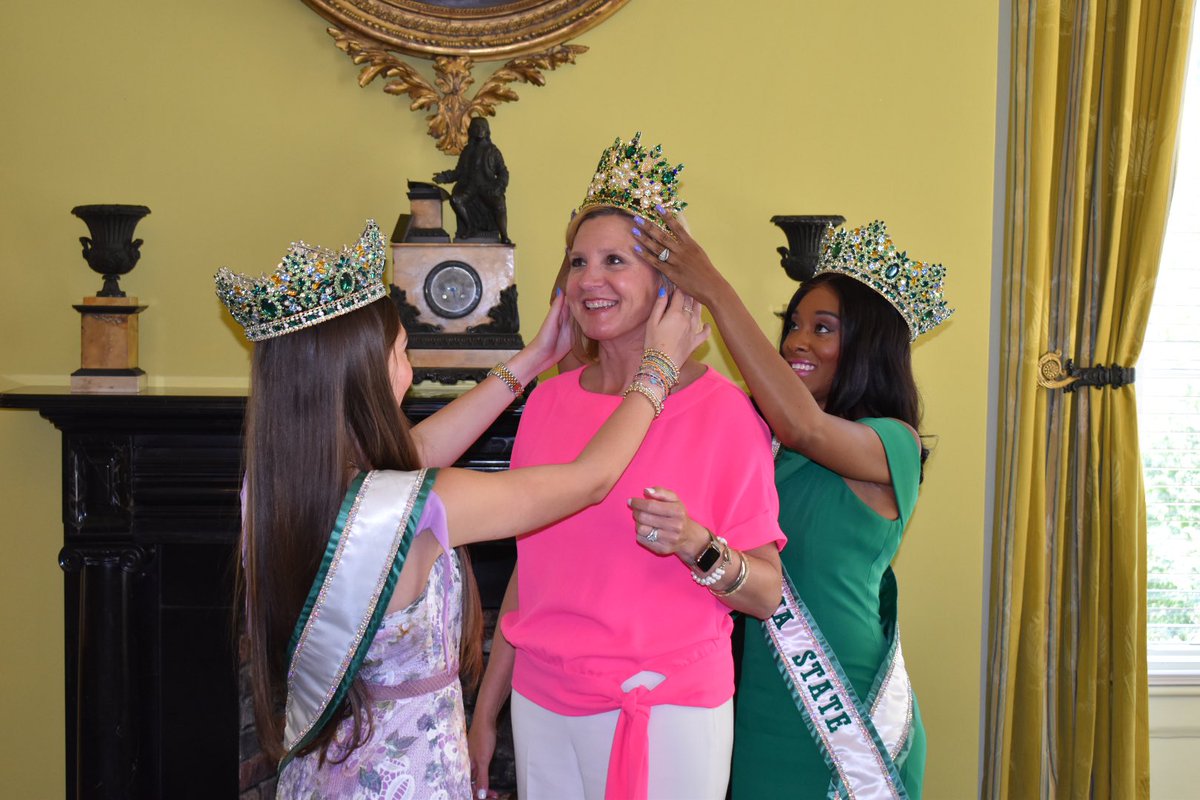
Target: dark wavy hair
{"type": "Point", "coordinates": [874, 376]}
{"type": "Point", "coordinates": [321, 400]}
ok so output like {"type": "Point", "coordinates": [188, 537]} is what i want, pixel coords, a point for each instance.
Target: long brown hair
{"type": "Point", "coordinates": [321, 406]}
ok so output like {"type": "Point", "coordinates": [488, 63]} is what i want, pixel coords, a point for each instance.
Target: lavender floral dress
{"type": "Point", "coordinates": [418, 746]}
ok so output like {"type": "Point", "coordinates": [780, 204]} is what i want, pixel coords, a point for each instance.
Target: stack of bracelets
{"type": "Point", "coordinates": [655, 379]}
{"type": "Point", "coordinates": [710, 580]}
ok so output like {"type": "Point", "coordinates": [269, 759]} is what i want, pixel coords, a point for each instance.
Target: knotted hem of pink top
{"type": "Point", "coordinates": [702, 677]}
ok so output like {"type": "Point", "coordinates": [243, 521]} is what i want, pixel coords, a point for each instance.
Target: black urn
{"type": "Point", "coordinates": [799, 258]}
{"type": "Point", "coordinates": [111, 250]}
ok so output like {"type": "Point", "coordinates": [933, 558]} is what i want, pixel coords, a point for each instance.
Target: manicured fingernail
{"type": "Point", "coordinates": [481, 794]}
{"type": "Point", "coordinates": [558, 291]}
{"type": "Point", "coordinates": [651, 491]}
{"type": "Point", "coordinates": [629, 502]}
{"type": "Point", "coordinates": [662, 292]}
{"type": "Point", "coordinates": [637, 232]}
{"type": "Point", "coordinates": [660, 209]}
{"type": "Point", "coordinates": [639, 220]}
{"type": "Point", "coordinates": [637, 248]}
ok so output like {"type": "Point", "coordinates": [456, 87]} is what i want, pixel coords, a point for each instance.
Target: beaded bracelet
{"type": "Point", "coordinates": [646, 392]}
{"type": "Point", "coordinates": [718, 573]}
{"type": "Point", "coordinates": [738, 582]}
{"type": "Point", "coordinates": [662, 360]}
{"type": "Point", "coordinates": [506, 377]}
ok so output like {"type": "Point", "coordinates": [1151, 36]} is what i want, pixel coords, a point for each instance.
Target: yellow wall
{"type": "Point", "coordinates": [242, 127]}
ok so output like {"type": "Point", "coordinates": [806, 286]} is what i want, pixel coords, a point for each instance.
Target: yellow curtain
{"type": "Point", "coordinates": [1093, 118]}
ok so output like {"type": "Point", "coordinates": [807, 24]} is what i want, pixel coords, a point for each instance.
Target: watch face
{"type": "Point", "coordinates": [708, 557]}
{"type": "Point", "coordinates": [453, 289]}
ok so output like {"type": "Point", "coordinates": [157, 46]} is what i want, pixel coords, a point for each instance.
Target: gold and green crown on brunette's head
{"type": "Point", "coordinates": [868, 255]}
{"type": "Point", "coordinates": [310, 285]}
{"type": "Point", "coordinates": [635, 179]}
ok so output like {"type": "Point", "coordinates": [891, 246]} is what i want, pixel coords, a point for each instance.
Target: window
{"type": "Point", "coordinates": [1168, 392]}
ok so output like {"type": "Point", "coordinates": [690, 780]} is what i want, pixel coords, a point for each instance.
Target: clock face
{"type": "Point", "coordinates": [453, 289]}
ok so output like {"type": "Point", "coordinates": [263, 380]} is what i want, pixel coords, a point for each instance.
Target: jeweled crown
{"type": "Point", "coordinates": [310, 285]}
{"type": "Point", "coordinates": [868, 255]}
{"type": "Point", "coordinates": [635, 179]}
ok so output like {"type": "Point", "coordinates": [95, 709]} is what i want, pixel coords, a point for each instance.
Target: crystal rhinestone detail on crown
{"type": "Point", "coordinates": [635, 179]}
{"type": "Point", "coordinates": [310, 285]}
{"type": "Point", "coordinates": [868, 255]}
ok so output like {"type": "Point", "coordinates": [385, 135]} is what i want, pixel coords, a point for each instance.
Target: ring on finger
{"type": "Point", "coordinates": [665, 254]}
{"type": "Point", "coordinates": [652, 536]}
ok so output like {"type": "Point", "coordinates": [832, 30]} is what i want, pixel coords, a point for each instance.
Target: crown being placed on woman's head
{"type": "Point", "coordinates": [310, 285]}
{"type": "Point", "coordinates": [635, 179]}
{"type": "Point", "coordinates": [868, 255]}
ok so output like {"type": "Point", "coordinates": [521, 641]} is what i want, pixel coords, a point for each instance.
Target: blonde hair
{"type": "Point", "coordinates": [584, 349]}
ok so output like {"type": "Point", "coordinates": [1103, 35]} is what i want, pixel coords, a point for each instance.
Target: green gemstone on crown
{"type": "Point", "coordinates": [867, 255]}
{"type": "Point", "coordinates": [308, 286]}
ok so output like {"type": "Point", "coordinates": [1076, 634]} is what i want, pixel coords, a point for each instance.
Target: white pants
{"type": "Point", "coordinates": [566, 758]}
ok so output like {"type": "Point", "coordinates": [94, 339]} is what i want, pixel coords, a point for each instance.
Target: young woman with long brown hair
{"type": "Point", "coordinates": [352, 591]}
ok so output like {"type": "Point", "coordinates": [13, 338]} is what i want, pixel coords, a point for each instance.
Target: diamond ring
{"type": "Point", "coordinates": [665, 254]}
{"type": "Point", "coordinates": [652, 536]}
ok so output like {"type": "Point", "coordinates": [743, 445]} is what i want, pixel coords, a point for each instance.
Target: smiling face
{"type": "Point", "coordinates": [610, 290]}
{"type": "Point", "coordinates": [813, 343]}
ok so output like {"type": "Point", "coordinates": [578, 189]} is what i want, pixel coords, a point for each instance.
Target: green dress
{"type": "Point", "coordinates": [837, 553]}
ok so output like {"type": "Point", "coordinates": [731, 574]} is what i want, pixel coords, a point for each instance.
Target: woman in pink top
{"type": "Point", "coordinates": [622, 675]}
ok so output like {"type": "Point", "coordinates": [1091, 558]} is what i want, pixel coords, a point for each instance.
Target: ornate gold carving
{"type": "Point", "coordinates": [1052, 374]}
{"type": "Point", "coordinates": [484, 30]}
{"type": "Point", "coordinates": [447, 96]}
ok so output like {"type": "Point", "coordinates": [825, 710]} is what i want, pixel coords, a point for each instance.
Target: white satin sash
{"type": "Point", "coordinates": [356, 580]}
{"type": "Point", "coordinates": [860, 747]}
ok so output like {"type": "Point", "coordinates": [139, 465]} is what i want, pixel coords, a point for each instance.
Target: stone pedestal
{"type": "Point", "coordinates": [109, 346]}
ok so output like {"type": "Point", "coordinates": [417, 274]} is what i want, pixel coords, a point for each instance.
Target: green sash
{"type": "Point", "coordinates": [861, 743]}
{"type": "Point", "coordinates": [349, 596]}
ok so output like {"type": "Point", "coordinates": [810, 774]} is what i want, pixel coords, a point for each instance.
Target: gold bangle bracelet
{"type": "Point", "coordinates": [646, 392]}
{"type": "Point", "coordinates": [738, 582]}
{"type": "Point", "coordinates": [506, 377]}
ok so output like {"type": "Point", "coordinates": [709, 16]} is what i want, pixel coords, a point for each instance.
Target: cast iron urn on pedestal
{"type": "Point", "coordinates": [804, 233]}
{"type": "Point", "coordinates": [109, 328]}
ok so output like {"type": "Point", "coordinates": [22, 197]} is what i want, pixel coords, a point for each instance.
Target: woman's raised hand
{"type": "Point", "coordinates": [553, 339]}
{"type": "Point", "coordinates": [685, 262]}
{"type": "Point", "coordinates": [675, 326]}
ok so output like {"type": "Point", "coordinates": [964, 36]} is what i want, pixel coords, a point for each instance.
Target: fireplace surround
{"type": "Point", "coordinates": [150, 512]}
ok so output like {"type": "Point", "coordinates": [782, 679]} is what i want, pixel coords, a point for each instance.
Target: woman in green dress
{"type": "Point", "coordinates": [824, 703]}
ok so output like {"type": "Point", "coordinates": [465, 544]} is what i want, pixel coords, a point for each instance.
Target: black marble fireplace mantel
{"type": "Point", "coordinates": [150, 514]}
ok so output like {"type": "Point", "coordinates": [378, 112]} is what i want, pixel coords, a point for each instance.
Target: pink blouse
{"type": "Point", "coordinates": [594, 607]}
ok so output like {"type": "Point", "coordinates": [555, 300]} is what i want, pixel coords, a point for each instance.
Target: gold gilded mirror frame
{"type": "Point", "coordinates": [455, 34]}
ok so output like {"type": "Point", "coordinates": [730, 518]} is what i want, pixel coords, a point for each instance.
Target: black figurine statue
{"type": "Point", "coordinates": [480, 179]}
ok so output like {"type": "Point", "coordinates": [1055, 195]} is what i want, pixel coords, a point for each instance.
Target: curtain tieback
{"type": "Point", "coordinates": [1054, 374]}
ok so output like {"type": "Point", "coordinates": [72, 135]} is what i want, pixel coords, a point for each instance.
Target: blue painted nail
{"type": "Point", "coordinates": [637, 232]}
{"type": "Point", "coordinates": [558, 291]}
{"type": "Point", "coordinates": [662, 291]}
{"type": "Point", "coordinates": [660, 209]}
{"type": "Point", "coordinates": [639, 220]}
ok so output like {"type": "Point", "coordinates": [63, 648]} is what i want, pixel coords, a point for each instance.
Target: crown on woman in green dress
{"type": "Point", "coordinates": [310, 285]}
{"type": "Point", "coordinates": [867, 254]}
{"type": "Point", "coordinates": [635, 179]}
